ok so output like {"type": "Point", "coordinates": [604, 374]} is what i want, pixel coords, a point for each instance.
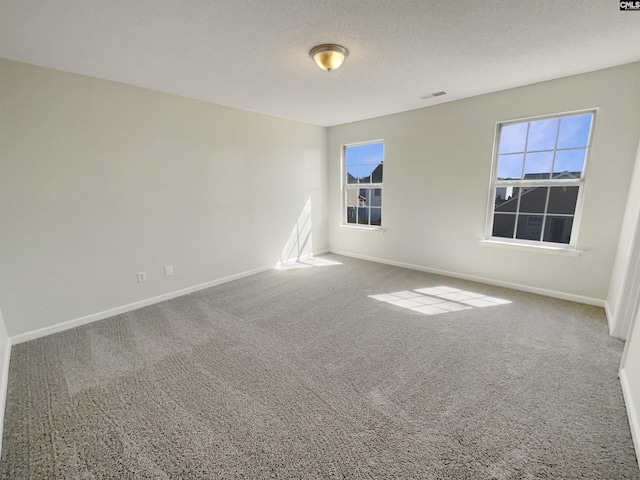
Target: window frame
{"type": "Point", "coordinates": [345, 187]}
{"type": "Point", "coordinates": [581, 183]}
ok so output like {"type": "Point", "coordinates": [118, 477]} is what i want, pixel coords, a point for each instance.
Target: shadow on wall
{"type": "Point", "coordinates": [298, 250]}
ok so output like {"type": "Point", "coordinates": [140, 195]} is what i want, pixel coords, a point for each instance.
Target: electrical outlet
{"type": "Point", "coordinates": [142, 277]}
{"type": "Point", "coordinates": [168, 270]}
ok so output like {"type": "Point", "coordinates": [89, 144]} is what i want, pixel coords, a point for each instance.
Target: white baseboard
{"type": "Point", "coordinates": [608, 313]}
{"type": "Point", "coordinates": [498, 283]}
{"type": "Point", "coordinates": [620, 323]}
{"type": "Point", "coordinates": [634, 421]}
{"type": "Point", "coordinates": [610, 320]}
{"type": "Point", "coordinates": [77, 322]}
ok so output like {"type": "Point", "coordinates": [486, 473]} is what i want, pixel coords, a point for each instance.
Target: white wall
{"type": "Point", "coordinates": [630, 379]}
{"type": "Point", "coordinates": [436, 183]}
{"type": "Point", "coordinates": [624, 303]}
{"type": "Point", "coordinates": [100, 180]}
{"type": "Point", "coordinates": [623, 295]}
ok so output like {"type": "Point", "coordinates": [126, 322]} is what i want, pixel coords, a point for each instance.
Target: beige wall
{"type": "Point", "coordinates": [99, 181]}
{"type": "Point", "coordinates": [436, 182]}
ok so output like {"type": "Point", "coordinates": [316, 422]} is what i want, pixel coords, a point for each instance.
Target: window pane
{"type": "Point", "coordinates": [503, 225]}
{"type": "Point", "coordinates": [352, 174]}
{"type": "Point", "coordinates": [538, 168]}
{"type": "Point", "coordinates": [506, 199]}
{"type": "Point", "coordinates": [563, 200]}
{"type": "Point", "coordinates": [351, 215]}
{"type": "Point", "coordinates": [569, 163]}
{"type": "Point", "coordinates": [364, 154]}
{"type": "Point", "coordinates": [376, 154]}
{"type": "Point", "coordinates": [376, 216]}
{"type": "Point", "coordinates": [513, 137]}
{"type": "Point", "coordinates": [352, 156]}
{"type": "Point", "coordinates": [352, 197]}
{"type": "Point", "coordinates": [538, 165]}
{"type": "Point", "coordinates": [574, 131]}
{"type": "Point", "coordinates": [363, 197]}
{"type": "Point", "coordinates": [363, 166]}
{"type": "Point", "coordinates": [376, 175]}
{"type": "Point", "coordinates": [376, 197]}
{"type": "Point", "coordinates": [542, 134]}
{"type": "Point", "coordinates": [558, 229]}
{"type": "Point", "coordinates": [533, 200]}
{"type": "Point", "coordinates": [510, 166]}
{"type": "Point", "coordinates": [364, 173]}
{"type": "Point", "coordinates": [503, 194]}
{"type": "Point", "coordinates": [363, 215]}
{"type": "Point", "coordinates": [529, 227]}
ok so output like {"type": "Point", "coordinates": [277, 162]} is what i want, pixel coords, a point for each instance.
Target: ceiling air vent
{"type": "Point", "coordinates": [432, 95]}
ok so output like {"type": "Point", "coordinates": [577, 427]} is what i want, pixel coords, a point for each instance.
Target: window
{"type": "Point", "coordinates": [362, 180]}
{"type": "Point", "coordinates": [538, 177]}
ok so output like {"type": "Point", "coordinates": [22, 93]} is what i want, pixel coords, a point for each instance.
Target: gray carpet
{"type": "Point", "coordinates": [299, 374]}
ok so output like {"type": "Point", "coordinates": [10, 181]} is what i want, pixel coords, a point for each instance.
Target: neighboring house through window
{"type": "Point", "coordinates": [538, 178]}
{"type": "Point", "coordinates": [362, 180]}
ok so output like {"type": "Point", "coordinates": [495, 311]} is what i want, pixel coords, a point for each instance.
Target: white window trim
{"type": "Point", "coordinates": [533, 247]}
{"type": "Point", "coordinates": [364, 228]}
{"type": "Point", "coordinates": [550, 247]}
{"type": "Point", "coordinates": [344, 186]}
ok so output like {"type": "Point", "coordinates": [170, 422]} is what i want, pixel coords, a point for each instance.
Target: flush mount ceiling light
{"type": "Point", "coordinates": [329, 56]}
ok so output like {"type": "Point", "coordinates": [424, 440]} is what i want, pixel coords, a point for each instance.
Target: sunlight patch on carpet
{"type": "Point", "coordinates": [306, 263]}
{"type": "Point", "coordinates": [436, 300]}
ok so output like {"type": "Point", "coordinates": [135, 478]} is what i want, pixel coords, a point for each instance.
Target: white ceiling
{"type": "Point", "coordinates": [253, 54]}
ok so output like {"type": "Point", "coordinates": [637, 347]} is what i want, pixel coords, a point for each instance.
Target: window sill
{"type": "Point", "coordinates": [363, 228]}
{"type": "Point", "coordinates": [567, 251]}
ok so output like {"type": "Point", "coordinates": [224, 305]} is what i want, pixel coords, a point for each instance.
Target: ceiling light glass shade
{"type": "Point", "coordinates": [329, 56]}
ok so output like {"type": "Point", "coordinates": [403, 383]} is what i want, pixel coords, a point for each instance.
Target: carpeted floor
{"type": "Point", "coordinates": [300, 374]}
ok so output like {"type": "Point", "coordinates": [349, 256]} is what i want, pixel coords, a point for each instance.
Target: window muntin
{"type": "Point", "coordinates": [362, 180]}
{"type": "Point", "coordinates": [538, 178]}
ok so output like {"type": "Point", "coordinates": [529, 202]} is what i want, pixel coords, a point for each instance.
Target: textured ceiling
{"type": "Point", "coordinates": [253, 54]}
